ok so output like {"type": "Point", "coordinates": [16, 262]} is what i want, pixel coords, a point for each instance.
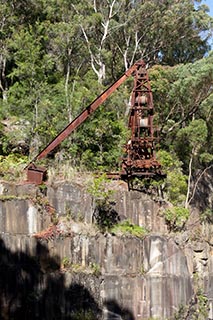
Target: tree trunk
{"type": "Point", "coordinates": [3, 80]}
{"type": "Point", "coordinates": [189, 180]}
{"type": "Point", "coordinates": [66, 89]}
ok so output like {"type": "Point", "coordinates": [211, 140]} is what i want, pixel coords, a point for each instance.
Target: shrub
{"type": "Point", "coordinates": [105, 215]}
{"type": "Point", "coordinates": [175, 182]}
{"type": "Point", "coordinates": [98, 189]}
{"type": "Point", "coordinates": [176, 218]}
{"type": "Point", "coordinates": [128, 228]}
{"type": "Point", "coordinates": [11, 166]}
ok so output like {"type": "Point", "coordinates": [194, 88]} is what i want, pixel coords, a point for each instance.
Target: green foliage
{"type": "Point", "coordinates": [202, 301]}
{"type": "Point", "coordinates": [14, 136]}
{"type": "Point", "coordinates": [98, 142]}
{"type": "Point", "coordinates": [142, 270]}
{"type": "Point", "coordinates": [181, 313]}
{"type": "Point", "coordinates": [96, 269]}
{"type": "Point", "coordinates": [10, 197]}
{"type": "Point", "coordinates": [176, 187]}
{"type": "Point", "coordinates": [43, 188]}
{"type": "Point", "coordinates": [65, 262]}
{"type": "Point", "coordinates": [98, 188]}
{"type": "Point", "coordinates": [128, 228]}
{"type": "Point", "coordinates": [197, 309]}
{"type": "Point", "coordinates": [175, 182]}
{"type": "Point", "coordinates": [176, 218]}
{"type": "Point", "coordinates": [183, 99]}
{"type": "Point", "coordinates": [105, 215]}
{"type": "Point", "coordinates": [77, 268]}
{"type": "Point", "coordinates": [190, 139]}
{"type": "Point", "coordinates": [206, 158]}
{"type": "Point", "coordinates": [168, 160]}
{"type": "Point", "coordinates": [11, 166]}
{"type": "Point", "coordinates": [93, 268]}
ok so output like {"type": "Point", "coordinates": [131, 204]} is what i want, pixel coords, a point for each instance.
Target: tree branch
{"type": "Point", "coordinates": [196, 183]}
{"type": "Point", "coordinates": [189, 181]}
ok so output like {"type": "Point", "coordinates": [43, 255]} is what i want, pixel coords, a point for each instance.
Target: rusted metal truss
{"type": "Point", "coordinates": [140, 160]}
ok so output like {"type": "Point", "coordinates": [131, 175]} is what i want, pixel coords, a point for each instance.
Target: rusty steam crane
{"type": "Point", "coordinates": [140, 159]}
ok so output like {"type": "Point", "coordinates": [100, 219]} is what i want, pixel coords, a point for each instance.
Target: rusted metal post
{"type": "Point", "coordinates": [140, 160]}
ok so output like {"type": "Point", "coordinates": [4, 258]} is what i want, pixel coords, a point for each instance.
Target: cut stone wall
{"type": "Point", "coordinates": [121, 277]}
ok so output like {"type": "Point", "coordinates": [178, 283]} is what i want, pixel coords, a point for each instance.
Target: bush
{"type": "Point", "coordinates": [98, 189]}
{"type": "Point", "coordinates": [127, 228]}
{"type": "Point", "coordinates": [105, 216]}
{"type": "Point", "coordinates": [176, 181]}
{"type": "Point", "coordinates": [176, 218]}
{"type": "Point", "coordinates": [12, 166]}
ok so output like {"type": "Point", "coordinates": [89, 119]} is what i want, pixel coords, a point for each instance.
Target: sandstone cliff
{"type": "Point", "coordinates": [56, 265]}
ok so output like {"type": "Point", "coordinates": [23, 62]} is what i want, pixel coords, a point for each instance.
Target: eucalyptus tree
{"type": "Point", "coordinates": [8, 21]}
{"type": "Point", "coordinates": [183, 102]}
{"type": "Point", "coordinates": [117, 33]}
{"type": "Point", "coordinates": [63, 44]}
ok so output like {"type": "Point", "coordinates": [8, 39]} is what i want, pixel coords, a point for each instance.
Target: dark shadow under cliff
{"type": "Point", "coordinates": [34, 287]}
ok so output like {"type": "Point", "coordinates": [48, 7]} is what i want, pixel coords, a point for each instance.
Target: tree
{"type": "Point", "coordinates": [181, 94]}
{"type": "Point", "coordinates": [175, 184]}
{"type": "Point", "coordinates": [168, 32]}
{"type": "Point", "coordinates": [183, 101]}
{"type": "Point", "coordinates": [63, 32]}
{"type": "Point", "coordinates": [32, 68]}
{"type": "Point", "coordinates": [58, 55]}
{"type": "Point", "coordinates": [7, 22]}
{"type": "Point", "coordinates": [129, 30]}
{"type": "Point", "coordinates": [191, 138]}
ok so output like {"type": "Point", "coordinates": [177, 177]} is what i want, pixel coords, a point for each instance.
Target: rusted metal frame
{"type": "Point", "coordinates": [85, 113]}
{"type": "Point", "coordinates": [146, 88]}
{"type": "Point", "coordinates": [141, 159]}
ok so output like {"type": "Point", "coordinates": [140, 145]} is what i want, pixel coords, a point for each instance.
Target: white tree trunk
{"type": "Point", "coordinates": [3, 82]}
{"type": "Point", "coordinates": [197, 181]}
{"type": "Point", "coordinates": [97, 60]}
{"type": "Point", "coordinates": [66, 89]}
{"type": "Point", "coordinates": [189, 180]}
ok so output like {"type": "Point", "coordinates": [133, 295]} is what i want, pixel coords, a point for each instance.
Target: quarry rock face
{"type": "Point", "coordinates": [56, 265]}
